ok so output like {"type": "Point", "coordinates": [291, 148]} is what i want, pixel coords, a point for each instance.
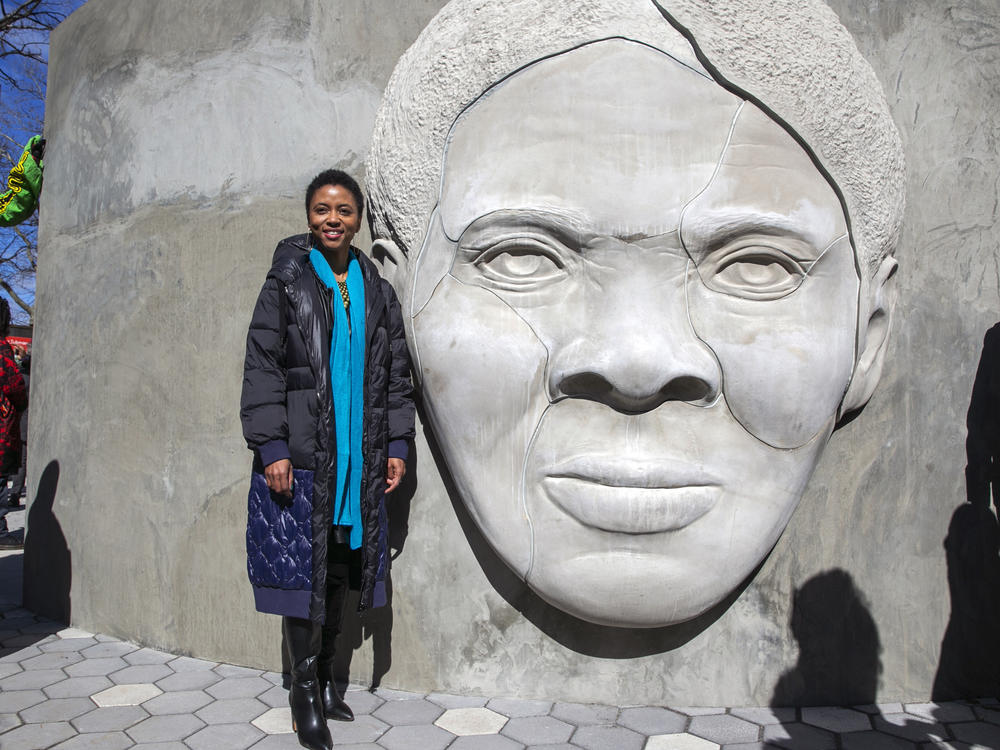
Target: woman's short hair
{"type": "Point", "coordinates": [336, 177]}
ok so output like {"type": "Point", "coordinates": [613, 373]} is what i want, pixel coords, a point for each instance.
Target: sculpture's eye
{"type": "Point", "coordinates": [520, 264]}
{"type": "Point", "coordinates": [755, 268]}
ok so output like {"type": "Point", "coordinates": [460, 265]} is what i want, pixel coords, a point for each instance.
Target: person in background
{"type": "Point", "coordinates": [15, 487]}
{"type": "Point", "coordinates": [24, 184]}
{"type": "Point", "coordinates": [13, 402]}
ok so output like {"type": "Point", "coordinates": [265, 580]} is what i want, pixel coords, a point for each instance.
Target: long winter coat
{"type": "Point", "coordinates": [287, 412]}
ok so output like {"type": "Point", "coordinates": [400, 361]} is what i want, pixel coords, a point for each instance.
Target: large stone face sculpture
{"type": "Point", "coordinates": [644, 252]}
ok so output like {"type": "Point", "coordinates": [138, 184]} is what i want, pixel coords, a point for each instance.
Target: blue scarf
{"type": "Point", "coordinates": [347, 369]}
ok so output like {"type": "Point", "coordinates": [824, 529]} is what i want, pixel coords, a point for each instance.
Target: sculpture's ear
{"type": "Point", "coordinates": [393, 261]}
{"type": "Point", "coordinates": [873, 338]}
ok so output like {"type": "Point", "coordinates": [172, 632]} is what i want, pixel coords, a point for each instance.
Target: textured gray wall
{"type": "Point", "coordinates": [181, 135]}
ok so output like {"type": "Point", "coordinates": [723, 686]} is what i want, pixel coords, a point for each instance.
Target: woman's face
{"type": "Point", "coordinates": [334, 218]}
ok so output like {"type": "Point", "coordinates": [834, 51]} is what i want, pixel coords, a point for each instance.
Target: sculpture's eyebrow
{"type": "Point", "coordinates": [707, 231]}
{"type": "Point", "coordinates": [563, 225]}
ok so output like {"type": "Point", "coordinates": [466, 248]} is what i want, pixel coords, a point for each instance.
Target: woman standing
{"type": "Point", "coordinates": [327, 411]}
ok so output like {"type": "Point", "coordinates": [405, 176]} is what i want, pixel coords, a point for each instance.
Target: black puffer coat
{"type": "Point", "coordinates": [287, 412]}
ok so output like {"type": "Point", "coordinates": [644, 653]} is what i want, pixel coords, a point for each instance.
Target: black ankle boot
{"type": "Point", "coordinates": [334, 706]}
{"type": "Point", "coordinates": [303, 640]}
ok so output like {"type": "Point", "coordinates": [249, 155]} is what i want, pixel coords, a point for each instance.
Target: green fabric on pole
{"type": "Point", "coordinates": [23, 187]}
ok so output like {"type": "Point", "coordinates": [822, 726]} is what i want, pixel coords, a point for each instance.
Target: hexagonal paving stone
{"type": "Point", "coordinates": [8, 668]}
{"type": "Point", "coordinates": [238, 687]}
{"type": "Point", "coordinates": [582, 714]}
{"type": "Point", "coordinates": [59, 709]}
{"type": "Point", "coordinates": [699, 710]}
{"type": "Point", "coordinates": [277, 697]}
{"type": "Point", "coordinates": [839, 720]}
{"type": "Point", "coordinates": [60, 645]}
{"type": "Point", "coordinates": [873, 741]}
{"type": "Point", "coordinates": [560, 746]}
{"type": "Point", "coordinates": [103, 741]}
{"type": "Point", "coordinates": [471, 721]}
{"type": "Point", "coordinates": [910, 727]}
{"type": "Point", "coordinates": [456, 701]}
{"type": "Point", "coordinates": [977, 733]}
{"type": "Point", "coordinates": [515, 707]}
{"type": "Point", "coordinates": [360, 701]}
{"type": "Point", "coordinates": [724, 729]}
{"type": "Point", "coordinates": [111, 719]}
{"type": "Point", "coordinates": [289, 742]}
{"type": "Point", "coordinates": [274, 721]}
{"type": "Point", "coordinates": [764, 716]}
{"type": "Point", "coordinates": [180, 702]}
{"type": "Point", "coordinates": [542, 730]}
{"type": "Point", "coordinates": [652, 720]}
{"type": "Point", "coordinates": [406, 738]}
{"type": "Point", "coordinates": [8, 721]}
{"type": "Point", "coordinates": [126, 695]}
{"type": "Point", "coordinates": [193, 680]}
{"type": "Point", "coordinates": [32, 680]}
{"type": "Point", "coordinates": [795, 736]}
{"type": "Point", "coordinates": [231, 670]}
{"type": "Point", "coordinates": [190, 664]}
{"type": "Point", "coordinates": [235, 711]}
{"type": "Point", "coordinates": [108, 650]}
{"type": "Point", "coordinates": [943, 712]}
{"type": "Point", "coordinates": [93, 667]}
{"type": "Point", "coordinates": [147, 656]}
{"type": "Point", "coordinates": [230, 736]}
{"type": "Point", "coordinates": [362, 729]}
{"type": "Point", "coordinates": [143, 673]}
{"type": "Point", "coordinates": [400, 713]}
{"type": "Point", "coordinates": [12, 701]}
{"type": "Point", "coordinates": [52, 661]}
{"type": "Point", "coordinates": [485, 742]}
{"type": "Point", "coordinates": [37, 735]}
{"type": "Point", "coordinates": [679, 742]}
{"type": "Point", "coordinates": [165, 728]}
{"type": "Point", "coordinates": [595, 737]}
{"type": "Point", "coordinates": [74, 633]}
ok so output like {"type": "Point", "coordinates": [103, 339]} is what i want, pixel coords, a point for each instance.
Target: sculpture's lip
{"type": "Point", "coordinates": [631, 497]}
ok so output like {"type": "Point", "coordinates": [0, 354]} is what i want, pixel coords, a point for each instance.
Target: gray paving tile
{"type": "Point", "coordinates": [8, 721]}
{"type": "Point", "coordinates": [190, 664]}
{"type": "Point", "coordinates": [977, 733]}
{"type": "Point", "coordinates": [19, 653]}
{"type": "Point", "coordinates": [582, 713]}
{"type": "Point", "coordinates": [108, 649]}
{"type": "Point", "coordinates": [8, 668]}
{"type": "Point", "coordinates": [407, 738]}
{"type": "Point", "coordinates": [237, 710]}
{"type": "Point", "coordinates": [145, 656]}
{"type": "Point", "coordinates": [485, 742]}
{"type": "Point", "coordinates": [178, 702]}
{"type": "Point", "coordinates": [288, 742]}
{"type": "Point", "coordinates": [652, 720]}
{"type": "Point", "coordinates": [698, 710]}
{"type": "Point", "coordinates": [239, 687]}
{"type": "Point", "coordinates": [560, 746]}
{"type": "Point", "coordinates": [102, 741]}
{"type": "Point", "coordinates": [276, 678]}
{"type": "Point", "coordinates": [990, 714]}
{"type": "Point", "coordinates": [34, 679]}
{"type": "Point", "coordinates": [795, 736]}
{"type": "Point", "coordinates": [723, 728]}
{"type": "Point", "coordinates": [360, 701]}
{"type": "Point", "coordinates": [837, 720]}
{"type": "Point", "coordinates": [362, 729]}
{"type": "Point", "coordinates": [277, 697]}
{"type": "Point", "coordinates": [160, 746]}
{"type": "Point", "coordinates": [230, 670]}
{"type": "Point", "coordinates": [515, 707]}
{"type": "Point", "coordinates": [63, 645]}
{"type": "Point", "coordinates": [165, 728]}
{"type": "Point", "coordinates": [188, 680]}
{"type": "Point", "coordinates": [90, 667]}
{"type": "Point", "coordinates": [396, 695]}
{"type": "Point", "coordinates": [456, 701]}
{"type": "Point", "coordinates": [943, 712]}
{"type": "Point", "coordinates": [596, 737]}
{"type": "Point", "coordinates": [538, 729]}
{"type": "Point", "coordinates": [34, 736]}
{"type": "Point", "coordinates": [764, 716]}
{"type": "Point", "coordinates": [228, 736]}
{"type": "Point", "coordinates": [910, 727]}
{"type": "Point", "coordinates": [27, 640]}
{"type": "Point", "coordinates": [883, 708]}
{"type": "Point", "coordinates": [12, 701]}
{"type": "Point", "coordinates": [110, 719]}
{"type": "Point", "coordinates": [58, 709]}
{"type": "Point", "coordinates": [748, 746]}
{"type": "Point", "coordinates": [873, 741]}
{"type": "Point", "coordinates": [52, 660]}
{"type": "Point", "coordinates": [401, 713]}
{"type": "Point", "coordinates": [143, 673]}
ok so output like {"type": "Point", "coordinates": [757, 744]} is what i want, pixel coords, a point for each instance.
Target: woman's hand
{"type": "Point", "coordinates": [394, 473]}
{"type": "Point", "coordinates": [279, 477]}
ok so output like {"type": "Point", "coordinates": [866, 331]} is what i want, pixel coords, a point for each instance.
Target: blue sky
{"type": "Point", "coordinates": [21, 116]}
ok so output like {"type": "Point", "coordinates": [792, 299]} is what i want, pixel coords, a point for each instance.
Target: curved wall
{"type": "Point", "coordinates": [181, 136]}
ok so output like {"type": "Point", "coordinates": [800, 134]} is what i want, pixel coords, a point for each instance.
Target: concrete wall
{"type": "Point", "coordinates": [181, 137]}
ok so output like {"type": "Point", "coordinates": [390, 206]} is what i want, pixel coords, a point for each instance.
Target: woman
{"type": "Point", "coordinates": [327, 411]}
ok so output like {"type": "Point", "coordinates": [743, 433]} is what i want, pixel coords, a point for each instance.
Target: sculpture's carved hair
{"type": "Point", "coordinates": [791, 57]}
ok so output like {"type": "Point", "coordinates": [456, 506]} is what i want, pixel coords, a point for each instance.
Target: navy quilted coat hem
{"type": "Point", "coordinates": [275, 601]}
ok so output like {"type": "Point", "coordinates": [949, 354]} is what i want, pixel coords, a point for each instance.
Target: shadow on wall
{"type": "Point", "coordinates": [48, 568]}
{"type": "Point", "coordinates": [970, 652]}
{"type": "Point", "coordinates": [839, 649]}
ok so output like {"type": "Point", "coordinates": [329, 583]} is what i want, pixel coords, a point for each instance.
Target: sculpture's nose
{"type": "Point", "coordinates": [635, 349]}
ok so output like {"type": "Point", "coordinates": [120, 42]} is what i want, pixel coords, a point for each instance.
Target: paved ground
{"type": "Point", "coordinates": [68, 689]}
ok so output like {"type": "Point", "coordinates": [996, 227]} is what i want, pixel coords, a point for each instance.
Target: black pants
{"type": "Point", "coordinates": [343, 572]}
